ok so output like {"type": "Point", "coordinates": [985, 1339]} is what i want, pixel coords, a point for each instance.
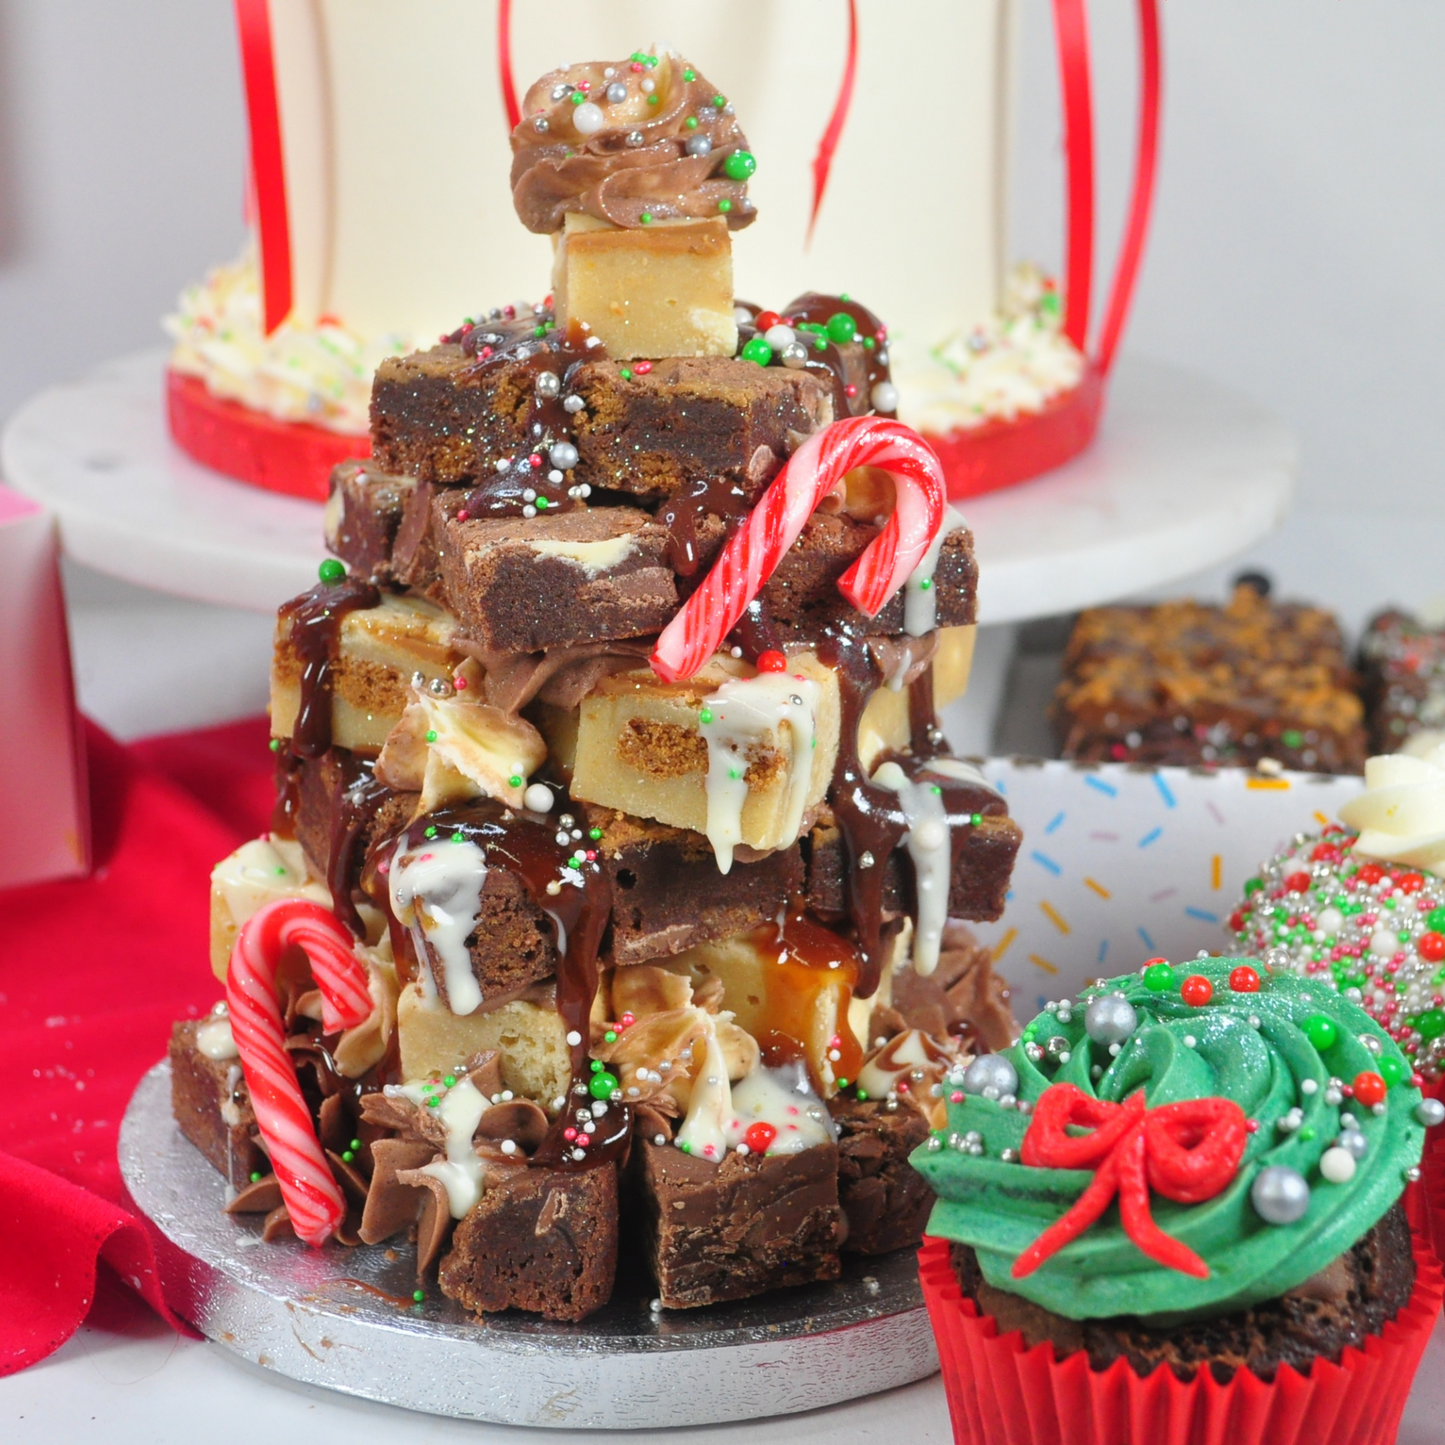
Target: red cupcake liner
{"type": "Point", "coordinates": [293, 457]}
{"type": "Point", "coordinates": [1000, 1392]}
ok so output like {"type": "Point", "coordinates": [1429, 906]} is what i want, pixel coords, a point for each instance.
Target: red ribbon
{"type": "Point", "coordinates": [504, 64]}
{"type": "Point", "coordinates": [268, 172]}
{"type": "Point", "coordinates": [1188, 1152]}
{"type": "Point", "coordinates": [1071, 30]}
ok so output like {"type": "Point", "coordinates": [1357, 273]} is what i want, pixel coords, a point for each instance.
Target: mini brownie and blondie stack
{"type": "Point", "coordinates": [619, 873]}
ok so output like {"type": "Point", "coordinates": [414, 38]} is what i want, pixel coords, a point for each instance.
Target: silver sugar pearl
{"type": "Point", "coordinates": [884, 396]}
{"type": "Point", "coordinates": [573, 403]}
{"type": "Point", "coordinates": [563, 455]}
{"type": "Point", "coordinates": [615, 93]}
{"type": "Point", "coordinates": [1111, 1019]}
{"type": "Point", "coordinates": [990, 1071]}
{"type": "Point", "coordinates": [1354, 1143]}
{"type": "Point", "coordinates": [635, 138]}
{"type": "Point", "coordinates": [540, 124]}
{"type": "Point", "coordinates": [549, 384]}
{"type": "Point", "coordinates": [698, 145]}
{"type": "Point", "coordinates": [1411, 1175]}
{"type": "Point", "coordinates": [1280, 1195]}
{"type": "Point", "coordinates": [866, 859]}
{"type": "Point", "coordinates": [1430, 1112]}
{"type": "Point", "coordinates": [1009, 1156]}
{"type": "Point", "coordinates": [794, 355]}
{"type": "Point", "coordinates": [934, 1144]}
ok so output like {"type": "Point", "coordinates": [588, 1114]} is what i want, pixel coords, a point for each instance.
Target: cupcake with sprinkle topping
{"type": "Point", "coordinates": [1174, 1204]}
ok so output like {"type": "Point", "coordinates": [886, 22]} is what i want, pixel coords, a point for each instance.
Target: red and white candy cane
{"type": "Point", "coordinates": [312, 1197]}
{"type": "Point", "coordinates": [753, 553]}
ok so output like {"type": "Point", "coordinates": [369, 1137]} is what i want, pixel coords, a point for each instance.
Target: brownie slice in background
{"type": "Point", "coordinates": [1186, 683]}
{"type": "Point", "coordinates": [1403, 666]}
{"type": "Point", "coordinates": [211, 1104]}
{"type": "Point", "coordinates": [884, 1198]}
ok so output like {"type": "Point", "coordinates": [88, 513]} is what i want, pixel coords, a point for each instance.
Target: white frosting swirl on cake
{"type": "Point", "coordinates": [1011, 364]}
{"type": "Point", "coordinates": [319, 374]}
{"type": "Point", "coordinates": [1401, 814]}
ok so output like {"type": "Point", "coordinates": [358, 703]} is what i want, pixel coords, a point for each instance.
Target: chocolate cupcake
{"type": "Point", "coordinates": [1174, 1208]}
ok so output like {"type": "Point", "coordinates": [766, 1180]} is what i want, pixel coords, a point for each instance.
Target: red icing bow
{"type": "Point", "coordinates": [1187, 1152]}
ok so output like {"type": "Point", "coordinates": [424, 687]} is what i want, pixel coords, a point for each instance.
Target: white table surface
{"type": "Point", "coordinates": [1184, 474]}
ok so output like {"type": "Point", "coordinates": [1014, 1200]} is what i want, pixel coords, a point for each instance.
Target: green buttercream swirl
{"type": "Point", "coordinates": [1249, 1047]}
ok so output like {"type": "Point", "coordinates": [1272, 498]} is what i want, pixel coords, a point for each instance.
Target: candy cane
{"type": "Point", "coordinates": [312, 1197]}
{"type": "Point", "coordinates": [753, 553]}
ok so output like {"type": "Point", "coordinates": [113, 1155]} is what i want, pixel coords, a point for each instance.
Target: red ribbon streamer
{"type": "Point", "coordinates": [504, 64]}
{"type": "Point", "coordinates": [268, 172]}
{"type": "Point", "coordinates": [1188, 1152]}
{"type": "Point", "coordinates": [823, 161]}
{"type": "Point", "coordinates": [1072, 31]}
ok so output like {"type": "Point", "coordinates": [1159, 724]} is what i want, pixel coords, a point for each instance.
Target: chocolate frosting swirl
{"type": "Point", "coordinates": [660, 153]}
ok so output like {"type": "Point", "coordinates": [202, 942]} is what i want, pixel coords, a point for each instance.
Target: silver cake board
{"type": "Point", "coordinates": [344, 1319]}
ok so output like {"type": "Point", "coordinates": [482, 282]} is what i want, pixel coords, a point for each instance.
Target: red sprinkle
{"type": "Point", "coordinates": [1252, 1125]}
{"type": "Point", "coordinates": [1370, 873]}
{"type": "Point", "coordinates": [1370, 1089]}
{"type": "Point", "coordinates": [1431, 947]}
{"type": "Point", "coordinates": [772, 661]}
{"type": "Point", "coordinates": [850, 390]}
{"type": "Point", "coordinates": [1196, 990]}
{"type": "Point", "coordinates": [486, 352]}
{"type": "Point", "coordinates": [1326, 853]}
{"type": "Point", "coordinates": [1298, 883]}
{"type": "Point", "coordinates": [766, 320]}
{"type": "Point", "coordinates": [759, 1137]}
{"type": "Point", "coordinates": [536, 462]}
{"type": "Point", "coordinates": [1410, 883]}
{"type": "Point", "coordinates": [460, 683]}
{"type": "Point", "coordinates": [1244, 979]}
{"type": "Point", "coordinates": [641, 368]}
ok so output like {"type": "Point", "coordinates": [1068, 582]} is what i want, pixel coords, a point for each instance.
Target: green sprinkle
{"type": "Point", "coordinates": [842, 1083]}
{"type": "Point", "coordinates": [356, 1143]}
{"type": "Point", "coordinates": [654, 99]}
{"type": "Point", "coordinates": [1435, 920]}
{"type": "Point", "coordinates": [1159, 977]}
{"type": "Point", "coordinates": [281, 872]}
{"type": "Point", "coordinates": [1049, 303]}
{"type": "Point", "coordinates": [331, 571]}
{"type": "Point", "coordinates": [1393, 1070]}
{"type": "Point", "coordinates": [844, 296]}
{"type": "Point", "coordinates": [757, 350]}
{"type": "Point", "coordinates": [724, 206]}
{"type": "Point", "coordinates": [691, 122]}
{"type": "Point", "coordinates": [1320, 1030]}
{"type": "Point", "coordinates": [705, 716]}
{"type": "Point", "coordinates": [869, 343]}
{"type": "Point", "coordinates": [275, 745]}
{"type": "Point", "coordinates": [1307, 1132]}
{"type": "Point", "coordinates": [650, 61]}
{"type": "Point", "coordinates": [577, 97]}
{"type": "Point", "coordinates": [431, 832]}
{"type": "Point", "coordinates": [646, 218]}
{"type": "Point", "coordinates": [432, 1101]}
{"type": "Point", "coordinates": [841, 328]}
{"type": "Point", "coordinates": [719, 101]}
{"type": "Point", "coordinates": [418, 1295]}
{"type": "Point", "coordinates": [515, 780]}
{"type": "Point", "coordinates": [689, 74]}
{"type": "Point", "coordinates": [347, 1156]}
{"type": "Point", "coordinates": [1252, 886]}
{"type": "Point", "coordinates": [626, 374]}
{"type": "Point", "coordinates": [820, 344]}
{"type": "Point", "coordinates": [542, 504]}
{"type": "Point", "coordinates": [685, 1147]}
{"type": "Point", "coordinates": [594, 833]}
{"type": "Point", "coordinates": [740, 165]}
{"type": "Point", "coordinates": [450, 1081]}
{"type": "Point", "coordinates": [1291, 738]}
{"type": "Point", "coordinates": [976, 819]}
{"type": "Point", "coordinates": [734, 774]}
{"type": "Point", "coordinates": [459, 836]}
{"type": "Point", "coordinates": [255, 1176]}
{"type": "Point", "coordinates": [1431, 1023]}
{"type": "Point", "coordinates": [926, 584]}
{"type": "Point", "coordinates": [596, 1066]}
{"type": "Point", "coordinates": [863, 1095]}
{"type": "Point", "coordinates": [539, 331]}
{"type": "Point", "coordinates": [431, 735]}
{"type": "Point", "coordinates": [934, 788]}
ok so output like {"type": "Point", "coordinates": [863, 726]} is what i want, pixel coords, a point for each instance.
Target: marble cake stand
{"type": "Point", "coordinates": [1185, 474]}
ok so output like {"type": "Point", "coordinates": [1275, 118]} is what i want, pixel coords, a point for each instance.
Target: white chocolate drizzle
{"type": "Point", "coordinates": [461, 1172]}
{"type": "Point", "coordinates": [214, 1038]}
{"type": "Point", "coordinates": [920, 596]}
{"type": "Point", "coordinates": [746, 712]}
{"type": "Point", "coordinates": [436, 892]}
{"type": "Point", "coordinates": [704, 1131]}
{"type": "Point", "coordinates": [903, 1053]}
{"type": "Point", "coordinates": [929, 845]}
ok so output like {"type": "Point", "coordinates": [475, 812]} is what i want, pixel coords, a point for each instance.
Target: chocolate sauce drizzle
{"type": "Point", "coordinates": [813, 308]}
{"type": "Point", "coordinates": [550, 358]}
{"type": "Point", "coordinates": [526, 845]}
{"type": "Point", "coordinates": [362, 793]}
{"type": "Point", "coordinates": [869, 817]}
{"type": "Point", "coordinates": [316, 617]}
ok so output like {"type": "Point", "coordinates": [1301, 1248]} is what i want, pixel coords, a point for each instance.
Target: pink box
{"type": "Point", "coordinates": [44, 807]}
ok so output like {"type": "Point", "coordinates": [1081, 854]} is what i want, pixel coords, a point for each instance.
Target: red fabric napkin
{"type": "Point", "coordinates": [92, 972]}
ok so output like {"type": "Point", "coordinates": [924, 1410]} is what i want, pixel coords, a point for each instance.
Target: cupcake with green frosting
{"type": "Point", "coordinates": [1189, 1180]}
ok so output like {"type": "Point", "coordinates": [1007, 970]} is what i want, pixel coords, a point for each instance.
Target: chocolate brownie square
{"type": "Point", "coordinates": [739, 1228]}
{"type": "Point", "coordinates": [438, 416]}
{"type": "Point", "coordinates": [540, 1240]}
{"type": "Point", "coordinates": [885, 1199]}
{"type": "Point", "coordinates": [1185, 683]}
{"type": "Point", "coordinates": [211, 1104]}
{"type": "Point", "coordinates": [668, 895]}
{"type": "Point", "coordinates": [363, 513]}
{"type": "Point", "coordinates": [1403, 662]}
